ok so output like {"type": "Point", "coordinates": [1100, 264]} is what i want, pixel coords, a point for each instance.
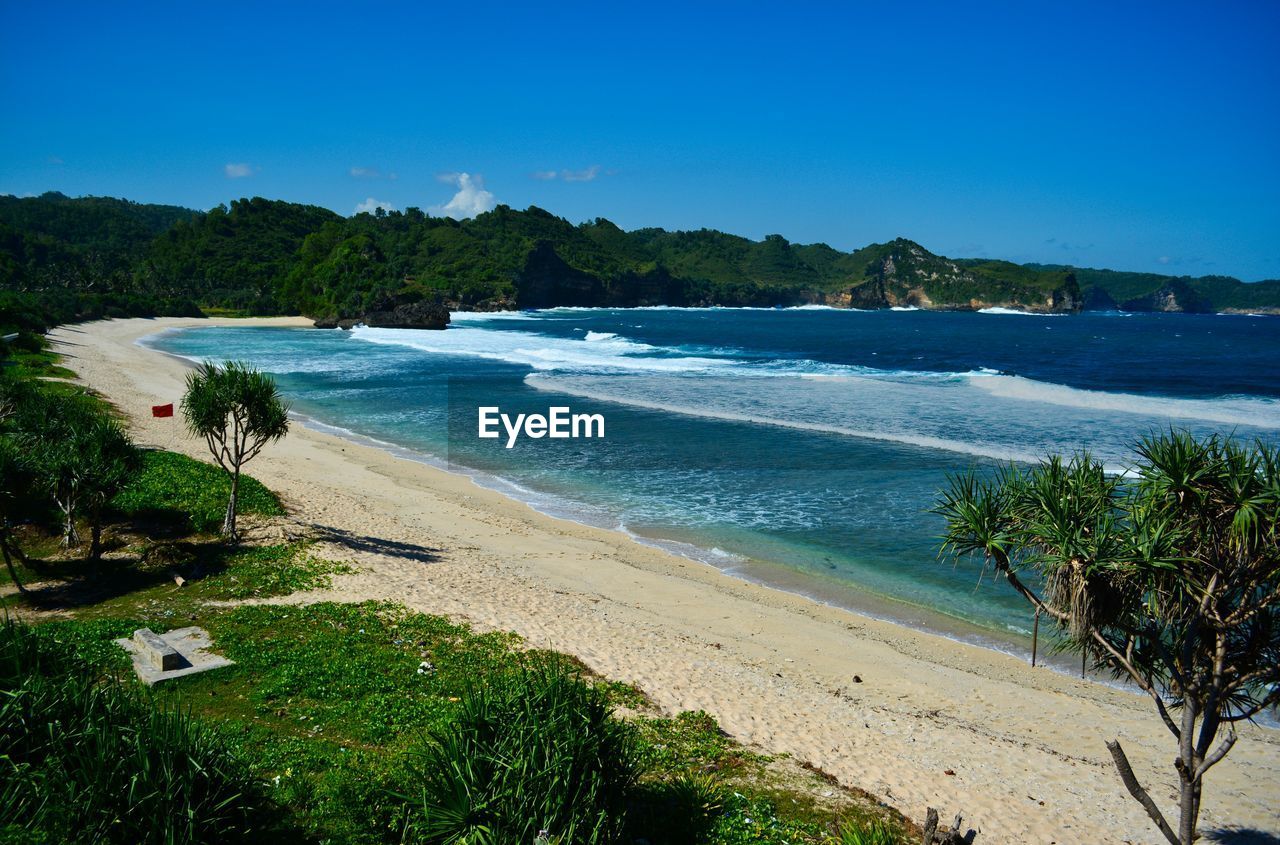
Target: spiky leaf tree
{"type": "Point", "coordinates": [15, 480]}
{"type": "Point", "coordinates": [237, 410]}
{"type": "Point", "coordinates": [81, 458]}
{"type": "Point", "coordinates": [52, 429]}
{"type": "Point", "coordinates": [1170, 578]}
{"type": "Point", "coordinates": [15, 484]}
{"type": "Point", "coordinates": [108, 459]}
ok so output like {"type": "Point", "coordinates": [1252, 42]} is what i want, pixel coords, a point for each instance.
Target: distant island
{"type": "Point", "coordinates": [64, 259]}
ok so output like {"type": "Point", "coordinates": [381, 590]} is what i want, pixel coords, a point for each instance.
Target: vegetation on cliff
{"type": "Point", "coordinates": [63, 259]}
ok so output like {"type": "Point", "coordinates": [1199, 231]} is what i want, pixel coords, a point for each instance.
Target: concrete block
{"type": "Point", "coordinates": [156, 651]}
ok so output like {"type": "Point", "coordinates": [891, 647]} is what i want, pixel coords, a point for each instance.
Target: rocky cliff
{"type": "Point", "coordinates": [902, 273]}
{"type": "Point", "coordinates": [393, 315]}
{"type": "Point", "coordinates": [1173, 297]}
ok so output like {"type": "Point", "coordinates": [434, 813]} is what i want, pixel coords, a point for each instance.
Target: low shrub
{"type": "Point", "coordinates": [533, 750]}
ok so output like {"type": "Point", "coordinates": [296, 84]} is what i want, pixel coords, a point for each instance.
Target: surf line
{"type": "Point", "coordinates": [558, 423]}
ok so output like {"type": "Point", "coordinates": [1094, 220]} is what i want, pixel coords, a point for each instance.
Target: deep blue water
{"type": "Point", "coordinates": [802, 446]}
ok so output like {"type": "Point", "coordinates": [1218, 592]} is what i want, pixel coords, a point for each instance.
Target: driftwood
{"type": "Point", "coordinates": [935, 834]}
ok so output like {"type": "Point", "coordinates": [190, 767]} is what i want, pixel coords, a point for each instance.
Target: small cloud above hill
{"type": "Point", "coordinates": [371, 205]}
{"type": "Point", "coordinates": [470, 200]}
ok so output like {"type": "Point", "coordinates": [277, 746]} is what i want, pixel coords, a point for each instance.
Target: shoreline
{"type": "Point", "coordinates": [871, 604]}
{"type": "Point", "coordinates": [842, 595]}
{"type": "Point", "coordinates": [775, 668]}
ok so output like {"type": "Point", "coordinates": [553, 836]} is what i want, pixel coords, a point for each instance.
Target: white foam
{"type": "Point", "coordinates": [708, 411]}
{"type": "Point", "coordinates": [1257, 412]}
{"type": "Point", "coordinates": [1019, 312]}
{"type": "Point", "coordinates": [544, 353]}
{"type": "Point", "coordinates": [478, 316]}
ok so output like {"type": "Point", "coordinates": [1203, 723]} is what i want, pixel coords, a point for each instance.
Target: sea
{"type": "Point", "coordinates": [802, 448]}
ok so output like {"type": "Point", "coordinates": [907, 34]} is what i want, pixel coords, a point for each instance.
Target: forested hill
{"type": "Point", "coordinates": [1114, 289]}
{"type": "Point", "coordinates": [87, 257]}
{"type": "Point", "coordinates": [53, 241]}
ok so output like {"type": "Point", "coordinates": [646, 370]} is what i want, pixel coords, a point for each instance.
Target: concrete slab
{"type": "Point", "coordinates": [186, 650]}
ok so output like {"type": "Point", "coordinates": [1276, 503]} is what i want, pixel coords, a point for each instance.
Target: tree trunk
{"type": "Point", "coordinates": [8, 562]}
{"type": "Point", "coordinates": [1186, 816]}
{"type": "Point", "coordinates": [229, 522]}
{"type": "Point", "coordinates": [70, 537]}
{"type": "Point", "coordinates": [95, 536]}
{"type": "Point", "coordinates": [1189, 786]}
{"type": "Point", "coordinates": [1035, 637]}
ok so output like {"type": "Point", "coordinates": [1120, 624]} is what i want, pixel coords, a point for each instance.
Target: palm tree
{"type": "Point", "coordinates": [237, 410]}
{"type": "Point", "coordinates": [1169, 578]}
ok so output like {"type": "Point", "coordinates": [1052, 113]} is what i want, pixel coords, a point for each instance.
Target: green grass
{"type": "Point", "coordinates": [263, 571]}
{"type": "Point", "coordinates": [174, 487]}
{"type": "Point", "coordinates": [872, 832]}
{"type": "Point", "coordinates": [355, 671]}
{"type": "Point", "coordinates": [331, 706]}
{"type": "Point", "coordinates": [91, 762]}
{"type": "Point", "coordinates": [32, 359]}
{"type": "Point", "coordinates": [690, 740]}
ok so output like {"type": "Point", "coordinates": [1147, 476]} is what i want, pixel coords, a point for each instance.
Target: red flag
{"type": "Point", "coordinates": [162, 410]}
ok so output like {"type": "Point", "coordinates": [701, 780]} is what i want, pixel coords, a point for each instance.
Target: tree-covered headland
{"type": "Point", "coordinates": [64, 259]}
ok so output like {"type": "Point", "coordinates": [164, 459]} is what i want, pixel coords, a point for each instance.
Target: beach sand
{"type": "Point", "coordinates": [933, 722]}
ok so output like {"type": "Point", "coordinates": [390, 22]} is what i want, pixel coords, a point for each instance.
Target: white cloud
{"type": "Point", "coordinates": [470, 200]}
{"type": "Point", "coordinates": [371, 205]}
{"type": "Point", "coordinates": [237, 170]}
{"type": "Point", "coordinates": [365, 172]}
{"type": "Point", "coordinates": [586, 175]}
{"type": "Point", "coordinates": [581, 175]}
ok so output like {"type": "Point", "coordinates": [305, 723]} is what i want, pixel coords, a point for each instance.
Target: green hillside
{"type": "Point", "coordinates": [90, 243]}
{"type": "Point", "coordinates": [65, 259]}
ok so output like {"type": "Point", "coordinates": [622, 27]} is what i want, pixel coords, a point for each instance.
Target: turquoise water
{"type": "Point", "coordinates": [800, 447]}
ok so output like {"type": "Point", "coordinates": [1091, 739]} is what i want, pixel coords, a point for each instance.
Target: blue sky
{"type": "Point", "coordinates": [1138, 136]}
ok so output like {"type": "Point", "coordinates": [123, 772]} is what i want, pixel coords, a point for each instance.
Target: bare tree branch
{"type": "Point", "coordinates": [1135, 789]}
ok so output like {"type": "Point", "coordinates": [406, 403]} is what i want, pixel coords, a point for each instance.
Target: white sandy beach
{"type": "Point", "coordinates": [1025, 745]}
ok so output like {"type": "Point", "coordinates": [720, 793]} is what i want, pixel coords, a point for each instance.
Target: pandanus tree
{"type": "Point", "coordinates": [1168, 576]}
{"type": "Point", "coordinates": [108, 460]}
{"type": "Point", "coordinates": [15, 480]}
{"type": "Point", "coordinates": [14, 484]}
{"type": "Point", "coordinates": [80, 457]}
{"type": "Point", "coordinates": [237, 410]}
